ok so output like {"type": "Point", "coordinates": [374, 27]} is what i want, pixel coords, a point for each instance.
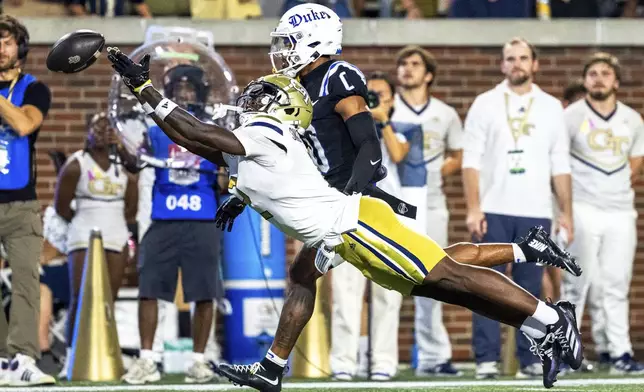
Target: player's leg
{"type": "Point", "coordinates": [432, 340]}
{"type": "Point", "coordinates": [397, 257]}
{"type": "Point", "coordinates": [296, 312]}
{"type": "Point", "coordinates": [385, 318]}
{"type": "Point", "coordinates": [616, 258]}
{"type": "Point", "coordinates": [348, 286]}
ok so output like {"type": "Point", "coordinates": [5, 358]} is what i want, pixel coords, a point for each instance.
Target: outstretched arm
{"type": "Point", "coordinates": [207, 140]}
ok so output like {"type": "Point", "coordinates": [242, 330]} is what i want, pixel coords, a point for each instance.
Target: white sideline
{"type": "Point", "coordinates": [337, 385]}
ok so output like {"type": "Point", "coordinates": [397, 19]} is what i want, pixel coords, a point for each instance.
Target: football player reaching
{"type": "Point", "coordinates": [273, 174]}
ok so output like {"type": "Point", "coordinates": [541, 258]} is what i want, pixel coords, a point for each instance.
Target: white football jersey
{"type": "Point", "coordinates": [278, 180]}
{"type": "Point", "coordinates": [442, 130]}
{"type": "Point", "coordinates": [600, 149]}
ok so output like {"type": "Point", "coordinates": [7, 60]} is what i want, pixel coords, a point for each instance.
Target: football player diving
{"type": "Point", "coordinates": [272, 172]}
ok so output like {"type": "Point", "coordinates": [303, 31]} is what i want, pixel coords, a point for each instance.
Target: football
{"type": "Point", "coordinates": [75, 51]}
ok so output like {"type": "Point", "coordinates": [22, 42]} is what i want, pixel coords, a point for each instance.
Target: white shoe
{"type": "Point", "coordinates": [24, 372]}
{"type": "Point", "coordinates": [142, 371]}
{"type": "Point", "coordinates": [487, 370]}
{"type": "Point", "coordinates": [199, 373]}
{"type": "Point", "coordinates": [342, 376]}
{"type": "Point", "coordinates": [4, 372]}
{"type": "Point", "coordinates": [531, 371]}
{"type": "Point", "coordinates": [62, 375]}
{"type": "Point", "coordinates": [378, 376]}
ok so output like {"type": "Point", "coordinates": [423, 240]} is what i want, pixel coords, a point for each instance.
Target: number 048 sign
{"type": "Point", "coordinates": [185, 202]}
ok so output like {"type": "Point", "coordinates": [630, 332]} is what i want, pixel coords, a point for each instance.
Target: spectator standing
{"type": "Point", "coordinates": [24, 103]}
{"type": "Point", "coordinates": [427, 147]}
{"type": "Point", "coordinates": [607, 150]}
{"type": "Point", "coordinates": [106, 198]}
{"type": "Point", "coordinates": [515, 146]}
{"type": "Point", "coordinates": [348, 284]}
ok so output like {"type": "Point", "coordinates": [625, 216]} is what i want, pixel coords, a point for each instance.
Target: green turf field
{"type": "Point", "coordinates": [600, 382]}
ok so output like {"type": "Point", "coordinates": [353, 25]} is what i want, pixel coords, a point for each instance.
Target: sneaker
{"type": "Point", "coordinates": [380, 376]}
{"type": "Point", "coordinates": [567, 335]}
{"type": "Point", "coordinates": [24, 372]}
{"type": "Point", "coordinates": [538, 247]}
{"type": "Point", "coordinates": [341, 376]}
{"type": "Point", "coordinates": [142, 371]}
{"type": "Point", "coordinates": [254, 376]}
{"type": "Point", "coordinates": [199, 373]}
{"type": "Point", "coordinates": [62, 375]}
{"type": "Point", "coordinates": [445, 369]}
{"type": "Point", "coordinates": [487, 370]}
{"type": "Point", "coordinates": [4, 372]}
{"type": "Point", "coordinates": [534, 370]}
{"type": "Point", "coordinates": [549, 352]}
{"type": "Point", "coordinates": [626, 365]}
{"type": "Point", "coordinates": [48, 363]}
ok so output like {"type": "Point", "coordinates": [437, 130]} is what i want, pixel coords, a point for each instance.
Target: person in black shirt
{"type": "Point", "coordinates": [24, 103]}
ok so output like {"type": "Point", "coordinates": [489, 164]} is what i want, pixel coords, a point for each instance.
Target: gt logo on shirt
{"type": "Point", "coordinates": [605, 140]}
{"type": "Point", "coordinates": [185, 202]}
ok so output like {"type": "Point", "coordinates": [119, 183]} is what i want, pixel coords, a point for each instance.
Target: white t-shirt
{"type": "Point", "coordinates": [516, 163]}
{"type": "Point", "coordinates": [600, 150]}
{"type": "Point", "coordinates": [440, 129]}
{"type": "Point", "coordinates": [278, 180]}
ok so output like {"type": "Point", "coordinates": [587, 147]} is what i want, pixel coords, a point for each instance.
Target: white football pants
{"type": "Point", "coordinates": [604, 245]}
{"type": "Point", "coordinates": [432, 340]}
{"type": "Point", "coordinates": [348, 285]}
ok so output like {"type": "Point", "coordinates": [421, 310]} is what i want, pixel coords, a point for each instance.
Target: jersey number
{"type": "Point", "coordinates": [314, 147]}
{"type": "Point", "coordinates": [185, 202]}
{"type": "Point", "coordinates": [343, 78]}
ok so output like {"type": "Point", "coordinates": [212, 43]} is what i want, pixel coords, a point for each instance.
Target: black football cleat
{"type": "Point", "coordinates": [254, 376]}
{"type": "Point", "coordinates": [566, 334]}
{"type": "Point", "coordinates": [538, 247]}
{"type": "Point", "coordinates": [549, 353]}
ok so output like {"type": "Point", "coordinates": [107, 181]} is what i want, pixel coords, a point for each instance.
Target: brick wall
{"type": "Point", "coordinates": [463, 73]}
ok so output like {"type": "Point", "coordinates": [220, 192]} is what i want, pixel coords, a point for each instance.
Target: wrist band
{"type": "Point", "coordinates": [164, 108]}
{"type": "Point", "coordinates": [147, 108]}
{"type": "Point", "coordinates": [142, 87]}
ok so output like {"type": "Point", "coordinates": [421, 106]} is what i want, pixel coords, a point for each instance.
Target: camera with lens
{"type": "Point", "coordinates": [372, 99]}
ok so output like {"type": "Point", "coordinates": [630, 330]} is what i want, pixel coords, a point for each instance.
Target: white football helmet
{"type": "Point", "coordinates": [304, 33]}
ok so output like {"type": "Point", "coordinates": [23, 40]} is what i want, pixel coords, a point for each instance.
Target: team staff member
{"type": "Point", "coordinates": [24, 103]}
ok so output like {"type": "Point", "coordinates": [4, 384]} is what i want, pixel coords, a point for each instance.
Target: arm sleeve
{"type": "Point", "coordinates": [454, 132]}
{"type": "Point", "coordinates": [637, 150]}
{"type": "Point", "coordinates": [475, 136]}
{"type": "Point", "coordinates": [37, 94]}
{"type": "Point", "coordinates": [362, 130]}
{"type": "Point", "coordinates": [560, 151]}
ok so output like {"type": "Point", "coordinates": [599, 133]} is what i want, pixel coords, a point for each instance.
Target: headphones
{"type": "Point", "coordinates": [23, 42]}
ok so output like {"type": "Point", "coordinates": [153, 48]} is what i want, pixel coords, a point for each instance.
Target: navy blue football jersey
{"type": "Point", "coordinates": [327, 138]}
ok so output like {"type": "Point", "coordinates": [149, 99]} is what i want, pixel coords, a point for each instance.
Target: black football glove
{"type": "Point", "coordinates": [134, 75]}
{"type": "Point", "coordinates": [227, 212]}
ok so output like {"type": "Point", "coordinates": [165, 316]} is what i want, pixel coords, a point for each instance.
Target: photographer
{"type": "Point", "coordinates": [24, 103]}
{"type": "Point", "coordinates": [349, 284]}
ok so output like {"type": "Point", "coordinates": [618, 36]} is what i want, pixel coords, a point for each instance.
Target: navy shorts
{"type": "Point", "coordinates": [192, 246]}
{"type": "Point", "coordinates": [57, 279]}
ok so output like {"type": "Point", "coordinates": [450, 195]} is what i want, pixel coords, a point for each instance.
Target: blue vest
{"type": "Point", "coordinates": [181, 194]}
{"type": "Point", "coordinates": [412, 170]}
{"type": "Point", "coordinates": [15, 151]}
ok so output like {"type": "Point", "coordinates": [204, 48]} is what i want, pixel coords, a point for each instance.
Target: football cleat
{"type": "Point", "coordinates": [254, 376]}
{"type": "Point", "coordinates": [538, 247]}
{"type": "Point", "coordinates": [567, 335]}
{"type": "Point", "coordinates": [549, 353]}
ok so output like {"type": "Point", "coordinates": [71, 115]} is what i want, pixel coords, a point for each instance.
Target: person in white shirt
{"type": "Point", "coordinates": [607, 150]}
{"type": "Point", "coordinates": [515, 146]}
{"type": "Point", "coordinates": [348, 283]}
{"type": "Point", "coordinates": [425, 139]}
